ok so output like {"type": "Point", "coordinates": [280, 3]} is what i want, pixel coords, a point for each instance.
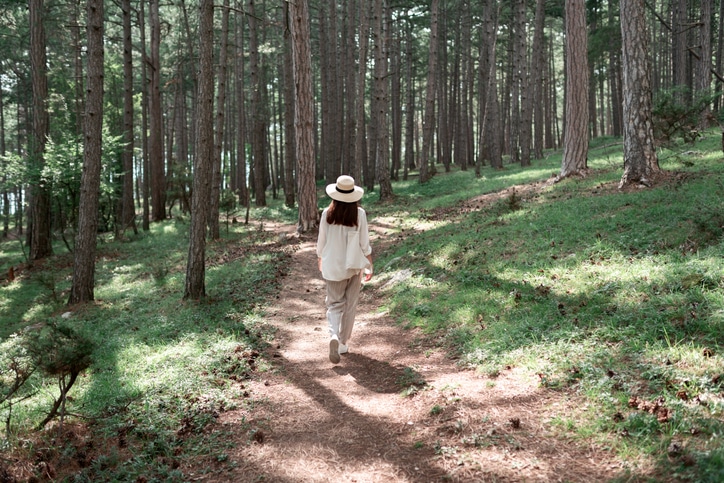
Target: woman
{"type": "Point", "coordinates": [343, 216]}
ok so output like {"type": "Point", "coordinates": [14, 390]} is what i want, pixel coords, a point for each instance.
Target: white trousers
{"type": "Point", "coordinates": [341, 301]}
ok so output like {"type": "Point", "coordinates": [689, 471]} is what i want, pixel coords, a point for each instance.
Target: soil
{"type": "Point", "coordinates": [354, 421]}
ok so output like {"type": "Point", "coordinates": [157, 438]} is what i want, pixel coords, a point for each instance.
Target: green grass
{"type": "Point", "coordinates": [162, 369]}
{"type": "Point", "coordinates": [605, 293]}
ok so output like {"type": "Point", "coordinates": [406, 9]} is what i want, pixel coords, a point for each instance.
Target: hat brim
{"type": "Point", "coordinates": [355, 195]}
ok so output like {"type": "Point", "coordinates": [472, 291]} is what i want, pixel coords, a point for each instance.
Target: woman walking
{"type": "Point", "coordinates": [343, 252]}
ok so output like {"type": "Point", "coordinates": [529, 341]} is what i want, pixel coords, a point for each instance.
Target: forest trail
{"type": "Point", "coordinates": [349, 422]}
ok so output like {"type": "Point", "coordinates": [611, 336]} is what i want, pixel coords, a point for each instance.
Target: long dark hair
{"type": "Point", "coordinates": [342, 213]}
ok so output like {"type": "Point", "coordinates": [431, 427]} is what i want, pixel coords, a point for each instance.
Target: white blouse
{"type": "Point", "coordinates": [332, 246]}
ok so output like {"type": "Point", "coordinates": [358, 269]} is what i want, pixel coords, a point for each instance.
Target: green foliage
{"type": "Point", "coordinates": [676, 119]}
{"type": "Point", "coordinates": [604, 293]}
{"type": "Point", "coordinates": [159, 371]}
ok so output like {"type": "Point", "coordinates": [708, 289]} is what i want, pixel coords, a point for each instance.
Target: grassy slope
{"type": "Point", "coordinates": [617, 296]}
{"type": "Point", "coordinates": [611, 295]}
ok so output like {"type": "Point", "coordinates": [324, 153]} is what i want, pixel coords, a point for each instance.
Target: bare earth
{"type": "Point", "coordinates": [320, 422]}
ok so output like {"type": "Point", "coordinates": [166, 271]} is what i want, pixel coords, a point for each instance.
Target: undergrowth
{"type": "Point", "coordinates": [616, 296]}
{"type": "Point", "coordinates": [161, 370]}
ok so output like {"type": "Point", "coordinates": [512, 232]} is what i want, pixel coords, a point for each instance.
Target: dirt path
{"type": "Point", "coordinates": [321, 422]}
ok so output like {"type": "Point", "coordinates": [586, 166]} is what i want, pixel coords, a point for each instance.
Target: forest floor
{"type": "Point", "coordinates": [350, 422]}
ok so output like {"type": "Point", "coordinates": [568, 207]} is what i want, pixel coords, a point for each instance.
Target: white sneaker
{"type": "Point", "coordinates": [343, 349]}
{"type": "Point", "coordinates": [333, 351]}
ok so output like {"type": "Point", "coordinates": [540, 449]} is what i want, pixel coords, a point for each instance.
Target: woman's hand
{"type": "Point", "coordinates": [367, 274]}
{"type": "Point", "coordinates": [319, 263]}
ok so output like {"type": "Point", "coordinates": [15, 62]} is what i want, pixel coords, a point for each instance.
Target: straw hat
{"type": "Point", "coordinates": [344, 190]}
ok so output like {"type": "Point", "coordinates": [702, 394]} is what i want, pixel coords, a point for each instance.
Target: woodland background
{"type": "Point", "coordinates": [118, 114]}
{"type": "Point", "coordinates": [141, 141]}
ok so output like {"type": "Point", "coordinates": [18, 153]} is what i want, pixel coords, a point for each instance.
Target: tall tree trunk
{"type": "Point", "coordinates": [40, 226]}
{"type": "Point", "coordinates": [3, 179]}
{"type": "Point", "coordinates": [536, 80]}
{"type": "Point", "coordinates": [349, 71]}
{"type": "Point", "coordinates": [220, 111]}
{"type": "Point", "coordinates": [575, 150]}
{"type": "Point", "coordinates": [360, 150]}
{"type": "Point", "coordinates": [304, 115]}
{"type": "Point", "coordinates": [289, 138]}
{"type": "Point", "coordinates": [428, 126]}
{"type": "Point", "coordinates": [490, 130]}
{"type": "Point", "coordinates": [258, 139]}
{"type": "Point", "coordinates": [409, 104]}
{"type": "Point", "coordinates": [382, 100]}
{"type": "Point", "coordinates": [146, 171]}
{"type": "Point", "coordinates": [241, 171]}
{"type": "Point", "coordinates": [703, 85]}
{"type": "Point", "coordinates": [679, 52]}
{"type": "Point", "coordinates": [614, 76]}
{"type": "Point", "coordinates": [719, 57]}
{"type": "Point", "coordinates": [155, 111]}
{"type": "Point", "coordinates": [396, 101]}
{"type": "Point", "coordinates": [195, 286]}
{"type": "Point", "coordinates": [640, 163]}
{"type": "Point", "coordinates": [128, 209]}
{"type": "Point", "coordinates": [85, 242]}
{"type": "Point", "coordinates": [526, 99]}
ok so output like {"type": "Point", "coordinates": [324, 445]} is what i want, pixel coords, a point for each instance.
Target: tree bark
{"type": "Point", "coordinates": [526, 99]}
{"type": "Point", "coordinates": [382, 101]}
{"type": "Point", "coordinates": [258, 138]}
{"type": "Point", "coordinates": [304, 115]}
{"type": "Point", "coordinates": [289, 138]}
{"type": "Point", "coordinates": [640, 162]}
{"type": "Point", "coordinates": [155, 111]}
{"type": "Point", "coordinates": [428, 124]}
{"type": "Point", "coordinates": [128, 208]}
{"type": "Point", "coordinates": [84, 253]}
{"type": "Point", "coordinates": [490, 139]}
{"type": "Point", "coordinates": [360, 150]}
{"type": "Point", "coordinates": [536, 81]}
{"type": "Point", "coordinates": [145, 163]}
{"type": "Point", "coordinates": [220, 111]}
{"type": "Point", "coordinates": [703, 85]}
{"type": "Point", "coordinates": [195, 287]}
{"type": "Point", "coordinates": [575, 150]}
{"type": "Point", "coordinates": [40, 225]}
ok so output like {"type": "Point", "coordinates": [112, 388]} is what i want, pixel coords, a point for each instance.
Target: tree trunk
{"type": "Point", "coordinates": [304, 115]}
{"type": "Point", "coordinates": [85, 242]}
{"type": "Point", "coordinates": [258, 139]}
{"type": "Point", "coordinates": [128, 208]}
{"type": "Point", "coordinates": [195, 287]}
{"type": "Point", "coordinates": [360, 150]}
{"type": "Point", "coordinates": [155, 111]}
{"type": "Point", "coordinates": [3, 179]}
{"type": "Point", "coordinates": [490, 129]}
{"type": "Point", "coordinates": [381, 93]}
{"type": "Point", "coordinates": [703, 85]}
{"type": "Point", "coordinates": [526, 99]}
{"type": "Point", "coordinates": [146, 171]}
{"type": "Point", "coordinates": [536, 80]}
{"type": "Point", "coordinates": [349, 38]}
{"type": "Point", "coordinates": [396, 104]}
{"type": "Point", "coordinates": [241, 184]}
{"type": "Point", "coordinates": [289, 138]}
{"type": "Point", "coordinates": [428, 126]}
{"type": "Point", "coordinates": [575, 150]}
{"type": "Point", "coordinates": [410, 110]}
{"type": "Point", "coordinates": [679, 62]}
{"type": "Point", "coordinates": [220, 111]}
{"type": "Point", "coordinates": [640, 162]}
{"type": "Point", "coordinates": [40, 226]}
